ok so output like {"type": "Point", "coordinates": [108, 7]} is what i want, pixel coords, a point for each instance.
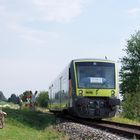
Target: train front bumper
{"type": "Point", "coordinates": [96, 107]}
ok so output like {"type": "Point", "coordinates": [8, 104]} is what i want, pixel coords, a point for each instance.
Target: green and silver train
{"type": "Point", "coordinates": [87, 88]}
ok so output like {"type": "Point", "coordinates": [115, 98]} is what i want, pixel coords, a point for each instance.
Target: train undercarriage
{"type": "Point", "coordinates": [95, 107]}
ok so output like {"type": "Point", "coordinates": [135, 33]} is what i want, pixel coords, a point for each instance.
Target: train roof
{"type": "Point", "coordinates": [94, 59]}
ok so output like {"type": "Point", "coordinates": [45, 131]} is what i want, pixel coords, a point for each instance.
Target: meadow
{"type": "Point", "coordinates": [35, 125]}
{"type": "Point", "coordinates": [27, 125]}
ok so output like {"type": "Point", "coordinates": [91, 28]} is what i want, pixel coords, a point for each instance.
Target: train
{"type": "Point", "coordinates": [86, 88]}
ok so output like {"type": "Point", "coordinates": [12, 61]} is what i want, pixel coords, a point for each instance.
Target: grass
{"type": "Point", "coordinates": [38, 125]}
{"type": "Point", "coordinates": [27, 125]}
{"type": "Point", "coordinates": [124, 120]}
{"type": "Point", "coordinates": [4, 104]}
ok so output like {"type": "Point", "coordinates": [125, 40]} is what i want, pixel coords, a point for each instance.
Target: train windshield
{"type": "Point", "coordinates": [96, 75]}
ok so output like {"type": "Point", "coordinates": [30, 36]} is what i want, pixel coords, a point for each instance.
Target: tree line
{"type": "Point", "coordinates": [41, 99]}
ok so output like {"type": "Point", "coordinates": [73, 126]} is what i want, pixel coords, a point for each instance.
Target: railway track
{"type": "Point", "coordinates": [125, 130]}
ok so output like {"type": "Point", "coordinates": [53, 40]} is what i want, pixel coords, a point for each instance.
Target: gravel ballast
{"type": "Point", "coordinates": [83, 132]}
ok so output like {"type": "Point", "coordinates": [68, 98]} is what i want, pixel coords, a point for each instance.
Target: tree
{"type": "Point", "coordinates": [14, 99]}
{"type": "Point", "coordinates": [25, 94]}
{"type": "Point", "coordinates": [2, 97]}
{"type": "Point", "coordinates": [130, 77]}
{"type": "Point", "coordinates": [42, 99]}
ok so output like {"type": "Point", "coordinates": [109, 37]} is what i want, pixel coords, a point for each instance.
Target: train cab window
{"type": "Point", "coordinates": [95, 75]}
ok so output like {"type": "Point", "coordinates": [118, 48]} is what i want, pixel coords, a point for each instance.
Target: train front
{"type": "Point", "coordinates": [96, 89]}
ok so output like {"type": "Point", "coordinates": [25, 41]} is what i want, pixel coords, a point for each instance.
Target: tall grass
{"type": "Point", "coordinates": [27, 125]}
{"type": "Point", "coordinates": [121, 119]}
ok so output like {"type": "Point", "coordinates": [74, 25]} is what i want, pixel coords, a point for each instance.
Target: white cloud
{"type": "Point", "coordinates": [33, 35]}
{"type": "Point", "coordinates": [16, 15]}
{"type": "Point", "coordinates": [11, 25]}
{"type": "Point", "coordinates": [59, 10]}
{"type": "Point", "coordinates": [46, 10]}
{"type": "Point", "coordinates": [134, 12]}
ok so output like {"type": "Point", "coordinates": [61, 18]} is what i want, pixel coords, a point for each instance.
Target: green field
{"type": "Point", "coordinates": [37, 125]}
{"type": "Point", "coordinates": [121, 119]}
{"type": "Point", "coordinates": [27, 125]}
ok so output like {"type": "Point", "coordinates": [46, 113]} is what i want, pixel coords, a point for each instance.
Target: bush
{"type": "Point", "coordinates": [131, 106]}
{"type": "Point", "coordinates": [42, 99]}
{"type": "Point", "coordinates": [25, 94]}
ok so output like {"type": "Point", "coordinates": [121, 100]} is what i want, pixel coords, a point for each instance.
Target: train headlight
{"type": "Point", "coordinates": [112, 93]}
{"type": "Point", "coordinates": [80, 92]}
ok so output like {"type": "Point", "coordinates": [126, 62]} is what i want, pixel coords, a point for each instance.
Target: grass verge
{"type": "Point", "coordinates": [26, 125]}
{"type": "Point", "coordinates": [123, 120]}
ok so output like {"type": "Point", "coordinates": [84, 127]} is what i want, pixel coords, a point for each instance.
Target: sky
{"type": "Point", "coordinates": [38, 38]}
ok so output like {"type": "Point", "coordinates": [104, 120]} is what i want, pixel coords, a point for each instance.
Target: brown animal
{"type": "Point", "coordinates": [2, 115]}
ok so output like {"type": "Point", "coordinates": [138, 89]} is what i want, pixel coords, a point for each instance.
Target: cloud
{"type": "Point", "coordinates": [33, 35]}
{"type": "Point", "coordinates": [63, 11]}
{"type": "Point", "coordinates": [135, 12]}
{"type": "Point", "coordinates": [12, 26]}
{"type": "Point", "coordinates": [16, 16]}
{"type": "Point", "coordinates": [59, 10]}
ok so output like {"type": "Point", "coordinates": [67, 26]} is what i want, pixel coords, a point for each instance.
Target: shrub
{"type": "Point", "coordinates": [42, 99]}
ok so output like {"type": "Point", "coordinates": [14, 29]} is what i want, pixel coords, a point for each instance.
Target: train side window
{"type": "Point", "coordinates": [69, 75]}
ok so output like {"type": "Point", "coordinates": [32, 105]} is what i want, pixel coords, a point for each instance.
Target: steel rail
{"type": "Point", "coordinates": [125, 130]}
{"type": "Point", "coordinates": [131, 131]}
